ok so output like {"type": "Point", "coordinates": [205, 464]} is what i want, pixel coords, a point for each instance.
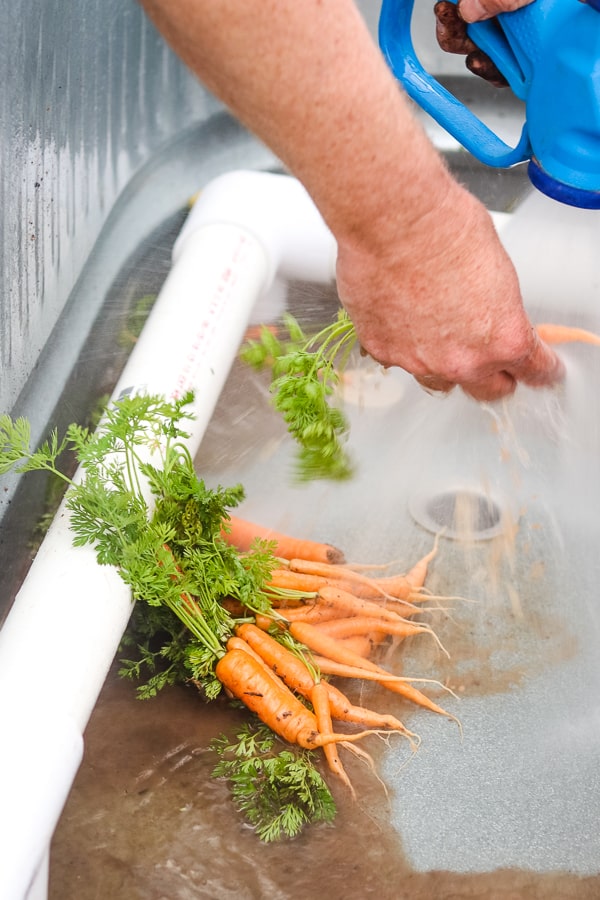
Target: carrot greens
{"type": "Point", "coordinates": [141, 505]}
{"type": "Point", "coordinates": [304, 375]}
{"type": "Point", "coordinates": [278, 788]}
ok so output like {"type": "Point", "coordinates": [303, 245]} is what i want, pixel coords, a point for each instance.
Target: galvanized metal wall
{"type": "Point", "coordinates": [89, 92]}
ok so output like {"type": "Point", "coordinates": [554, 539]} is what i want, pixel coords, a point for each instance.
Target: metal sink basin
{"type": "Point", "coordinates": [514, 490]}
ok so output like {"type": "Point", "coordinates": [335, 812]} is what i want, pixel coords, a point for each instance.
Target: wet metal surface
{"type": "Point", "coordinates": [509, 810]}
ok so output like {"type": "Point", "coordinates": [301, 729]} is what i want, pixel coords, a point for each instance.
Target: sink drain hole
{"type": "Point", "coordinates": [461, 514]}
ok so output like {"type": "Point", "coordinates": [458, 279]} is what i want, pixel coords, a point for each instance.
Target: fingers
{"type": "Point", "coordinates": [493, 387]}
{"type": "Point", "coordinates": [451, 35]}
{"type": "Point", "coordinates": [450, 29]}
{"type": "Point", "coordinates": [541, 368]}
{"type": "Point", "coordinates": [479, 63]}
{"type": "Point", "coordinates": [435, 384]}
{"type": "Point", "coordinates": [486, 390]}
{"type": "Point", "coordinates": [477, 10]}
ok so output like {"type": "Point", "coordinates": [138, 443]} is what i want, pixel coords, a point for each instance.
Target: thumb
{"type": "Point", "coordinates": [477, 10]}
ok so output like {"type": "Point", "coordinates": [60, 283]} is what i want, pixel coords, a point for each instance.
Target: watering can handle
{"type": "Point", "coordinates": [396, 44]}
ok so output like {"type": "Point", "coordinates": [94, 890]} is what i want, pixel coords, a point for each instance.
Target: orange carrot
{"type": "Point", "coordinates": [325, 645]}
{"type": "Point", "coordinates": [330, 667]}
{"type": "Point", "coordinates": [282, 599]}
{"type": "Point", "coordinates": [241, 534]}
{"type": "Point", "coordinates": [360, 586]}
{"type": "Point", "coordinates": [342, 600]}
{"type": "Point", "coordinates": [331, 603]}
{"type": "Point", "coordinates": [295, 581]}
{"type": "Point", "coordinates": [342, 628]}
{"type": "Point", "coordinates": [320, 703]}
{"type": "Point", "coordinates": [397, 586]}
{"type": "Point", "coordinates": [324, 570]}
{"type": "Point", "coordinates": [334, 649]}
{"type": "Point", "coordinates": [312, 612]}
{"type": "Point", "coordinates": [364, 644]}
{"type": "Point", "coordinates": [233, 607]}
{"type": "Point", "coordinates": [238, 643]}
{"type": "Point", "coordinates": [307, 613]}
{"type": "Point", "coordinates": [265, 694]}
{"type": "Point", "coordinates": [563, 334]}
{"type": "Point", "coordinates": [295, 674]}
{"type": "Point", "coordinates": [410, 584]}
{"type": "Point", "coordinates": [417, 575]}
{"type": "Point", "coordinates": [334, 603]}
{"type": "Point", "coordinates": [289, 667]}
{"type": "Point", "coordinates": [345, 711]}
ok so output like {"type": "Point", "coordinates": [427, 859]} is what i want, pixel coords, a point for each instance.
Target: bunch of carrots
{"type": "Point", "coordinates": [268, 618]}
{"type": "Point", "coordinates": [327, 619]}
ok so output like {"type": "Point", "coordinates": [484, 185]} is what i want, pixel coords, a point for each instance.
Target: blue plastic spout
{"type": "Point", "coordinates": [549, 52]}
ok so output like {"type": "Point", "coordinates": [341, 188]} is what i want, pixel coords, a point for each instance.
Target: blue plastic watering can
{"type": "Point", "coordinates": [549, 52]}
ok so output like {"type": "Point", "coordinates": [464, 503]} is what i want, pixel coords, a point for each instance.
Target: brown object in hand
{"type": "Point", "coordinates": [452, 37]}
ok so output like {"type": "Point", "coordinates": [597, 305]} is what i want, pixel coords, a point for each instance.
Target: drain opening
{"type": "Point", "coordinates": [461, 514]}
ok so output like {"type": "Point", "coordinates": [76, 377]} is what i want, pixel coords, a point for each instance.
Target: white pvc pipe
{"type": "Point", "coordinates": [65, 626]}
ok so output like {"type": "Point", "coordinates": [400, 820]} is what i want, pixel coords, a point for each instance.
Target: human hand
{"type": "Point", "coordinates": [451, 32]}
{"type": "Point", "coordinates": [443, 302]}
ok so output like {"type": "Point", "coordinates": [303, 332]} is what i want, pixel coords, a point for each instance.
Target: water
{"type": "Point", "coordinates": [555, 250]}
{"type": "Point", "coordinates": [493, 815]}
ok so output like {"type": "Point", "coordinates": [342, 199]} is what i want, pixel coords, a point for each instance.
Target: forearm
{"type": "Point", "coordinates": [419, 267]}
{"type": "Point", "coordinates": [307, 78]}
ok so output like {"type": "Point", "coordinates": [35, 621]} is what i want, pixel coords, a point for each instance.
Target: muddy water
{"type": "Point", "coordinates": [146, 821]}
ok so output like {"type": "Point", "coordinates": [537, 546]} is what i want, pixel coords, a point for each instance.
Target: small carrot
{"type": "Point", "coordinates": [323, 570]}
{"type": "Point", "coordinates": [238, 643]}
{"type": "Point", "coordinates": [337, 598]}
{"type": "Point", "coordinates": [307, 613]}
{"type": "Point", "coordinates": [295, 581]}
{"type": "Point", "coordinates": [325, 645]}
{"type": "Point", "coordinates": [417, 575]}
{"type": "Point", "coordinates": [334, 603]}
{"type": "Point", "coordinates": [319, 698]}
{"type": "Point", "coordinates": [241, 534]}
{"type": "Point", "coordinates": [345, 711]}
{"type": "Point", "coordinates": [330, 667]}
{"type": "Point", "coordinates": [360, 586]}
{"type": "Point", "coordinates": [235, 609]}
{"type": "Point", "coordinates": [329, 647]}
{"type": "Point", "coordinates": [262, 692]}
{"type": "Point", "coordinates": [312, 612]}
{"type": "Point", "coordinates": [341, 628]}
{"type": "Point", "coordinates": [563, 334]}
{"type": "Point", "coordinates": [401, 586]}
{"type": "Point", "coordinates": [289, 667]}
